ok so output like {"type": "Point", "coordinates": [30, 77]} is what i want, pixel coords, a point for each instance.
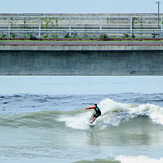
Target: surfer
{"type": "Point", "coordinates": [97, 112]}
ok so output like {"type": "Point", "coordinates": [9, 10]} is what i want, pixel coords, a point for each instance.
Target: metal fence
{"type": "Point", "coordinates": [52, 27]}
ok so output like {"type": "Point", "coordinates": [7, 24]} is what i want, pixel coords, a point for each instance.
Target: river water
{"type": "Point", "coordinates": [43, 119]}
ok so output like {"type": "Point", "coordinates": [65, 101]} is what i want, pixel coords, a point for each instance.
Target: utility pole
{"type": "Point", "coordinates": [158, 15]}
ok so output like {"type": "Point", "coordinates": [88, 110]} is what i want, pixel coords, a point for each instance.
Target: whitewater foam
{"type": "Point", "coordinates": [79, 121]}
{"type": "Point", "coordinates": [128, 111]}
{"type": "Point", "coordinates": [114, 113]}
{"type": "Point", "coordinates": [138, 159]}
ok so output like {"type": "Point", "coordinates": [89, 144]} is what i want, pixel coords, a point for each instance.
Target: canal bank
{"type": "Point", "coordinates": [81, 58]}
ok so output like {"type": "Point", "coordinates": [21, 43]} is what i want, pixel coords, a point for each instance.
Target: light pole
{"type": "Point", "coordinates": [158, 15]}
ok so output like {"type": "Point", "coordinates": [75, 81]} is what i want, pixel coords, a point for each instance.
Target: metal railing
{"type": "Point", "coordinates": [71, 28]}
{"type": "Point", "coordinates": [39, 33]}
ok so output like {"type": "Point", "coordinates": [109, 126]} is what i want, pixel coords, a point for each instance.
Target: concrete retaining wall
{"type": "Point", "coordinates": [88, 62]}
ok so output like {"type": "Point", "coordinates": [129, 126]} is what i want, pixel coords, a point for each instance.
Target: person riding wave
{"type": "Point", "coordinates": [97, 112]}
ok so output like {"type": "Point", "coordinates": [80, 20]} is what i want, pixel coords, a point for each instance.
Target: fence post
{"type": "Point", "coordinates": [39, 27]}
{"type": "Point", "coordinates": [69, 26]}
{"type": "Point", "coordinates": [9, 26]}
{"type": "Point", "coordinates": [131, 26]}
{"type": "Point", "coordinates": [161, 27]}
{"type": "Point", "coordinates": [100, 25]}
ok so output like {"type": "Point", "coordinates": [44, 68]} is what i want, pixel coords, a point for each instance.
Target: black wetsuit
{"type": "Point", "coordinates": [98, 112]}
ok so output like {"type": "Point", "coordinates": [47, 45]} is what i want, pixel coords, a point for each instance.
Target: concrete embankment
{"type": "Point", "coordinates": [81, 58]}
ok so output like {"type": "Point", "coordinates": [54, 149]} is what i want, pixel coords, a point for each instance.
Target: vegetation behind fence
{"type": "Point", "coordinates": [80, 26]}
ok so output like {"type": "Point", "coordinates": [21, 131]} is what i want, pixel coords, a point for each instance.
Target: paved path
{"type": "Point", "coordinates": [82, 43]}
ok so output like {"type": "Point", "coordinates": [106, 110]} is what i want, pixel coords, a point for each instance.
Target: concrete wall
{"type": "Point", "coordinates": [89, 62]}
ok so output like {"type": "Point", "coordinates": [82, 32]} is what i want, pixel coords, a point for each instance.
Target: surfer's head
{"type": "Point", "coordinates": [95, 105]}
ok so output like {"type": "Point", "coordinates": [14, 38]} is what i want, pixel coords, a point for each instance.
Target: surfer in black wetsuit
{"type": "Point", "coordinates": [97, 112]}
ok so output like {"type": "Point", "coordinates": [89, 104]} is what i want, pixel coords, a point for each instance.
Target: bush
{"type": "Point", "coordinates": [3, 36]}
{"type": "Point", "coordinates": [103, 37]}
{"type": "Point", "coordinates": [126, 35]}
{"type": "Point", "coordinates": [13, 35]}
{"type": "Point", "coordinates": [67, 35]}
{"type": "Point", "coordinates": [132, 36]}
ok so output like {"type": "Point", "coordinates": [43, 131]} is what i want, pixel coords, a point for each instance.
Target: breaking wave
{"type": "Point", "coordinates": [140, 159]}
{"type": "Point", "coordinates": [125, 159]}
{"type": "Point", "coordinates": [113, 114]}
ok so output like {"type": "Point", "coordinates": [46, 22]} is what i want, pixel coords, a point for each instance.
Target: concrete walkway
{"type": "Point", "coordinates": [88, 45]}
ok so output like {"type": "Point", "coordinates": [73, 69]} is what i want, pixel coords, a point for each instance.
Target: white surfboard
{"type": "Point", "coordinates": [91, 124]}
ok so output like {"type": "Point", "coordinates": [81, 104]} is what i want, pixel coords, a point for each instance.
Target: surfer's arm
{"type": "Point", "coordinates": [90, 108]}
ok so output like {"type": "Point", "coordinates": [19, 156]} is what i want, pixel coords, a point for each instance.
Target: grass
{"type": "Point", "coordinates": [82, 39]}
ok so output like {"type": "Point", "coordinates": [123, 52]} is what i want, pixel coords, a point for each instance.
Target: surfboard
{"type": "Point", "coordinates": [91, 124]}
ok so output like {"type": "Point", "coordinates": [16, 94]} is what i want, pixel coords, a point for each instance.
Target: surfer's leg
{"type": "Point", "coordinates": [94, 118]}
{"type": "Point", "coordinates": [92, 121]}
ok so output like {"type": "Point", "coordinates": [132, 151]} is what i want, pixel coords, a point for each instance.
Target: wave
{"type": "Point", "coordinates": [124, 159]}
{"type": "Point", "coordinates": [113, 114]}
{"type": "Point", "coordinates": [111, 108]}
{"type": "Point", "coordinates": [45, 119]}
{"type": "Point", "coordinates": [140, 159]}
